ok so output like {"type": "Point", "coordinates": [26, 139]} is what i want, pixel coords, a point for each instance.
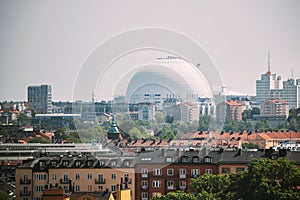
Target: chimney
{"type": "Point", "coordinates": [118, 192]}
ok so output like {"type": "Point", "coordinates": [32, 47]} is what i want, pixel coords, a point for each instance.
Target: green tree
{"type": "Point", "coordinates": [23, 120]}
{"type": "Point", "coordinates": [179, 195]}
{"type": "Point", "coordinates": [262, 126]}
{"type": "Point", "coordinates": [38, 140]}
{"type": "Point", "coordinates": [3, 195]}
{"type": "Point", "coordinates": [204, 122]}
{"type": "Point", "coordinates": [267, 179]}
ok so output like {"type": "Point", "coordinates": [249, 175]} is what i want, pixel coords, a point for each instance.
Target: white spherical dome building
{"type": "Point", "coordinates": [169, 77]}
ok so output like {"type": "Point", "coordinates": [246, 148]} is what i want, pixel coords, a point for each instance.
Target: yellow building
{"type": "Point", "coordinates": [75, 174]}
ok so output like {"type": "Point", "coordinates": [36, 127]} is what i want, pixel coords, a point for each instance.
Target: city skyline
{"type": "Point", "coordinates": [47, 43]}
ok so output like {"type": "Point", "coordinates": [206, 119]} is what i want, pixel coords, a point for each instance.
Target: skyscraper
{"type": "Point", "coordinates": [267, 82]}
{"type": "Point", "coordinates": [40, 98]}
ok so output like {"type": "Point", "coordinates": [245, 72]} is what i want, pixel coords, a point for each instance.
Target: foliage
{"type": "Point", "coordinates": [264, 179]}
{"type": "Point", "coordinates": [3, 195]}
{"type": "Point", "coordinates": [179, 195]}
{"type": "Point", "coordinates": [38, 140]}
{"type": "Point", "coordinates": [250, 146]}
{"type": "Point", "coordinates": [23, 120]}
{"type": "Point", "coordinates": [237, 126]}
{"type": "Point", "coordinates": [204, 122]}
{"type": "Point", "coordinates": [262, 126]}
{"type": "Point", "coordinates": [248, 114]}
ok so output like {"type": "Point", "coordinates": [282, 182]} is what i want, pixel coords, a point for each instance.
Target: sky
{"type": "Point", "coordinates": [48, 42]}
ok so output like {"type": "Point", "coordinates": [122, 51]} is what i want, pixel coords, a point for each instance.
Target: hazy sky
{"type": "Point", "coordinates": [46, 42]}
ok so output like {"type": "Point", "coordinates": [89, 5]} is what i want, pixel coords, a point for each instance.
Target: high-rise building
{"type": "Point", "coordinates": [40, 98]}
{"type": "Point", "coordinates": [267, 82]}
{"type": "Point", "coordinates": [187, 112]}
{"type": "Point", "coordinates": [289, 93]}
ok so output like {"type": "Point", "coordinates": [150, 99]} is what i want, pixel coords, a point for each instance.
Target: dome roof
{"type": "Point", "coordinates": [168, 77]}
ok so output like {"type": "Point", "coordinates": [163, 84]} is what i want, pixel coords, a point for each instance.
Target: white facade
{"type": "Point", "coordinates": [289, 93]}
{"type": "Point", "coordinates": [146, 112]}
{"type": "Point", "coordinates": [264, 86]}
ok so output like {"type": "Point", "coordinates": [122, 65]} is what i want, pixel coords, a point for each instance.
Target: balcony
{"type": "Point", "coordinates": [195, 175]}
{"type": "Point", "coordinates": [144, 188]}
{"type": "Point", "coordinates": [144, 175]}
{"type": "Point", "coordinates": [25, 181]}
{"type": "Point", "coordinates": [171, 187]}
{"type": "Point", "coordinates": [182, 187]}
{"type": "Point", "coordinates": [24, 193]}
{"type": "Point", "coordinates": [182, 175]}
{"type": "Point", "coordinates": [64, 181]}
{"type": "Point", "coordinates": [144, 198]}
{"type": "Point", "coordinates": [100, 181]}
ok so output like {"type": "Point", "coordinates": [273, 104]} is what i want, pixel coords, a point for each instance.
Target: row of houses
{"type": "Point", "coordinates": [147, 173]}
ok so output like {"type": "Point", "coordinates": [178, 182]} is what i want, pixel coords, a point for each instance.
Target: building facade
{"type": "Point", "coordinates": [274, 107]}
{"type": "Point", "coordinates": [229, 110]}
{"type": "Point", "coordinates": [187, 112]}
{"type": "Point", "coordinates": [40, 98]}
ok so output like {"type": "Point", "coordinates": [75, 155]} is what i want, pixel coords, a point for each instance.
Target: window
{"type": "Point", "coordinates": [100, 177]}
{"type": "Point", "coordinates": [53, 177]}
{"type": "Point", "coordinates": [101, 163]}
{"type": "Point", "coordinates": [182, 185]}
{"type": "Point", "coordinates": [156, 194]}
{"type": "Point", "coordinates": [207, 160]}
{"type": "Point", "coordinates": [240, 169]}
{"type": "Point", "coordinates": [40, 177]}
{"type": "Point", "coordinates": [113, 163]}
{"type": "Point", "coordinates": [182, 173]}
{"type": "Point", "coordinates": [100, 187]}
{"type": "Point", "coordinates": [169, 159]}
{"type": "Point", "coordinates": [126, 163]}
{"type": "Point", "coordinates": [78, 163]}
{"type": "Point", "coordinates": [113, 177]}
{"type": "Point", "coordinates": [90, 163]}
{"type": "Point", "coordinates": [77, 188]}
{"type": "Point", "coordinates": [170, 185]}
{"type": "Point", "coordinates": [144, 195]}
{"type": "Point", "coordinates": [53, 163]}
{"type": "Point", "coordinates": [89, 177]}
{"type": "Point", "coordinates": [86, 198]}
{"type": "Point", "coordinates": [195, 172]}
{"type": "Point", "coordinates": [65, 177]}
{"type": "Point", "coordinates": [144, 172]}
{"type": "Point", "coordinates": [208, 171]}
{"type": "Point", "coordinates": [170, 172]}
{"type": "Point", "coordinates": [38, 188]}
{"type": "Point", "coordinates": [157, 172]}
{"type": "Point", "coordinates": [225, 170]}
{"type": "Point", "coordinates": [65, 163]}
{"type": "Point", "coordinates": [185, 159]}
{"type": "Point", "coordinates": [195, 159]}
{"type": "Point", "coordinates": [156, 184]}
{"type": "Point", "coordinates": [113, 188]}
{"type": "Point", "coordinates": [144, 184]}
{"type": "Point", "coordinates": [77, 176]}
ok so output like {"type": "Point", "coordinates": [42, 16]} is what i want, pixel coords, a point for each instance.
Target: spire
{"type": "Point", "coordinates": [269, 65]}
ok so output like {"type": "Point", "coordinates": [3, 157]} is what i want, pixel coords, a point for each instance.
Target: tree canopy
{"type": "Point", "coordinates": [265, 179]}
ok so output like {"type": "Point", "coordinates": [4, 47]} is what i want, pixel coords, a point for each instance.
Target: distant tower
{"type": "Point", "coordinates": [113, 133]}
{"type": "Point", "coordinates": [269, 66]}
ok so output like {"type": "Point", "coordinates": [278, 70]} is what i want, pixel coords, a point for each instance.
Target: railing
{"type": "Point", "coordinates": [64, 181]}
{"type": "Point", "coordinates": [171, 188]}
{"type": "Point", "coordinates": [182, 187]}
{"type": "Point", "coordinates": [100, 181]}
{"type": "Point", "coordinates": [182, 175]}
{"type": "Point", "coordinates": [24, 193]}
{"type": "Point", "coordinates": [25, 181]}
{"type": "Point", "coordinates": [144, 175]}
{"type": "Point", "coordinates": [144, 188]}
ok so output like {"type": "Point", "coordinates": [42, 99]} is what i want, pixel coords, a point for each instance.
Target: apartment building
{"type": "Point", "coordinates": [229, 110]}
{"type": "Point", "coordinates": [40, 98]}
{"type": "Point", "coordinates": [85, 173]}
{"type": "Point", "coordinates": [162, 171]}
{"type": "Point", "coordinates": [274, 107]}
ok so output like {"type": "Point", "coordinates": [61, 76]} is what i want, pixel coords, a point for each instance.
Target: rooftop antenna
{"type": "Point", "coordinates": [93, 97]}
{"type": "Point", "coordinates": [269, 65]}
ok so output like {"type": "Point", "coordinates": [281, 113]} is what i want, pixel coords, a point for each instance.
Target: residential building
{"type": "Point", "coordinates": [146, 111]}
{"type": "Point", "coordinates": [40, 98]}
{"type": "Point", "coordinates": [186, 112]}
{"type": "Point", "coordinates": [229, 110]}
{"type": "Point", "coordinates": [162, 171]}
{"type": "Point", "coordinates": [85, 173]}
{"type": "Point", "coordinates": [274, 107]}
